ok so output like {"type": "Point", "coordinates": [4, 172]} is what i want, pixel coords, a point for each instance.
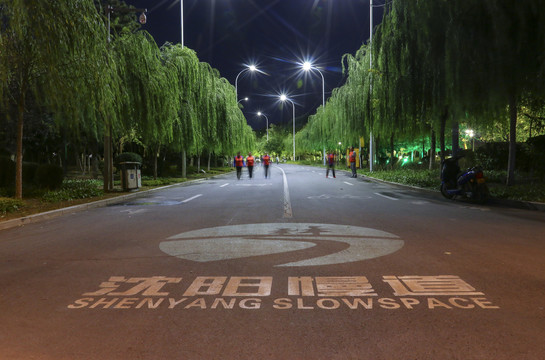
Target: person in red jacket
{"type": "Point", "coordinates": [330, 164]}
{"type": "Point", "coordinates": [250, 164]}
{"type": "Point", "coordinates": [239, 163]}
{"type": "Point", "coordinates": [352, 158]}
{"type": "Point", "coordinates": [266, 163]}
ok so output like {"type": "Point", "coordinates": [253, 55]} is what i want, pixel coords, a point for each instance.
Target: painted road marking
{"type": "Point", "coordinates": [224, 185]}
{"type": "Point", "coordinates": [287, 203]}
{"type": "Point", "coordinates": [191, 198]}
{"type": "Point", "coordinates": [254, 185]}
{"type": "Point", "coordinates": [327, 196]}
{"type": "Point", "coordinates": [347, 183]}
{"type": "Point", "coordinates": [386, 196]}
{"type": "Point", "coordinates": [242, 241]}
{"type": "Point", "coordinates": [133, 212]}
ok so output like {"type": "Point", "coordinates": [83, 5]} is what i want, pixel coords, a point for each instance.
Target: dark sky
{"type": "Point", "coordinates": [275, 35]}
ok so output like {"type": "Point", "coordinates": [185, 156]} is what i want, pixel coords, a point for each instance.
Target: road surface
{"type": "Point", "coordinates": [297, 266]}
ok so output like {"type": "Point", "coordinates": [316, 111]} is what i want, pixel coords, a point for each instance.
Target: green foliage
{"type": "Point", "coordinates": [75, 189]}
{"type": "Point", "coordinates": [429, 179]}
{"type": "Point", "coordinates": [128, 157]}
{"type": "Point", "coordinates": [49, 176]}
{"type": "Point", "coordinates": [10, 205]}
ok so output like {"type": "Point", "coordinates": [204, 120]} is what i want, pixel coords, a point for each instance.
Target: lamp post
{"type": "Point", "coordinates": [251, 68]}
{"type": "Point", "coordinates": [285, 98]}
{"type": "Point", "coordinates": [307, 66]}
{"type": "Point", "coordinates": [244, 99]}
{"type": "Point", "coordinates": [259, 113]}
{"type": "Point", "coordinates": [182, 22]}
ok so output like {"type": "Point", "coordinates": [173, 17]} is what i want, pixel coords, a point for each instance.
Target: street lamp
{"type": "Point", "coordinates": [259, 113]}
{"type": "Point", "coordinates": [182, 22]}
{"type": "Point", "coordinates": [307, 66]}
{"type": "Point", "coordinates": [285, 98]}
{"type": "Point", "coordinates": [251, 68]}
{"type": "Point", "coordinates": [245, 99]}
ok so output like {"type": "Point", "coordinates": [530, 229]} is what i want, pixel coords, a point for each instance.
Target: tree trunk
{"type": "Point", "coordinates": [455, 138]}
{"type": "Point", "coordinates": [184, 164]}
{"type": "Point", "coordinates": [432, 150]}
{"type": "Point", "coordinates": [442, 134]}
{"type": "Point", "coordinates": [512, 140]}
{"type": "Point", "coordinates": [156, 155]}
{"type": "Point", "coordinates": [19, 151]}
{"type": "Point", "coordinates": [209, 159]}
{"type": "Point", "coordinates": [392, 151]}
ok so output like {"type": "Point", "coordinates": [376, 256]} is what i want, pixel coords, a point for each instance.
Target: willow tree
{"type": "Point", "coordinates": [55, 60]}
{"type": "Point", "coordinates": [150, 103]}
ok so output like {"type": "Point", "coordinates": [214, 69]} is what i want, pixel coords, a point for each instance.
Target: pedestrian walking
{"type": "Point", "coordinates": [277, 160]}
{"type": "Point", "coordinates": [239, 163]}
{"type": "Point", "coordinates": [352, 159]}
{"type": "Point", "coordinates": [250, 164]}
{"type": "Point", "coordinates": [330, 164]}
{"type": "Point", "coordinates": [266, 162]}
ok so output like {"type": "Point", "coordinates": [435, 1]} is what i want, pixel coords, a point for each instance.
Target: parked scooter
{"type": "Point", "coordinates": [469, 184]}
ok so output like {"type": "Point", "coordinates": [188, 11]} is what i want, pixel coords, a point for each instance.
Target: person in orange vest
{"type": "Point", "coordinates": [239, 163]}
{"type": "Point", "coordinates": [330, 164]}
{"type": "Point", "coordinates": [352, 158]}
{"type": "Point", "coordinates": [250, 164]}
{"type": "Point", "coordinates": [266, 163]}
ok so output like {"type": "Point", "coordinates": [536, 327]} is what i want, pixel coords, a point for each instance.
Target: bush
{"type": "Point", "coordinates": [75, 189]}
{"type": "Point", "coordinates": [127, 157]}
{"type": "Point", "coordinates": [10, 205]}
{"type": "Point", "coordinates": [49, 176]}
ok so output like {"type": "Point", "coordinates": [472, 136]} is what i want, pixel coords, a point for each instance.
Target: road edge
{"type": "Point", "coordinates": [30, 219]}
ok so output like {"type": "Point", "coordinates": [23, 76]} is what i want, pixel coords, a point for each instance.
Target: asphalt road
{"type": "Point", "coordinates": [297, 266]}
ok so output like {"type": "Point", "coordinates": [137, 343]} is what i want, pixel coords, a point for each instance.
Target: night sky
{"type": "Point", "coordinates": [276, 36]}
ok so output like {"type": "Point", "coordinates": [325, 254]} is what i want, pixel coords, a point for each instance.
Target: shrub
{"type": "Point", "coordinates": [49, 176]}
{"type": "Point", "coordinates": [10, 205]}
{"type": "Point", "coordinates": [127, 157]}
{"type": "Point", "coordinates": [75, 189]}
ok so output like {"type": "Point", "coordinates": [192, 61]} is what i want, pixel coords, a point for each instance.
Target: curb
{"type": "Point", "coordinates": [30, 219]}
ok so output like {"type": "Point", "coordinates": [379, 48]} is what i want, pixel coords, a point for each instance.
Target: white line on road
{"type": "Point", "coordinates": [191, 198]}
{"type": "Point", "coordinates": [347, 183]}
{"type": "Point", "coordinates": [387, 197]}
{"type": "Point", "coordinates": [287, 204]}
{"type": "Point", "coordinates": [224, 185]}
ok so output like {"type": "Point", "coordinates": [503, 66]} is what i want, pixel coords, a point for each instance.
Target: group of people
{"type": "Point", "coordinates": [331, 163]}
{"type": "Point", "coordinates": [249, 162]}
{"type": "Point", "coordinates": [240, 162]}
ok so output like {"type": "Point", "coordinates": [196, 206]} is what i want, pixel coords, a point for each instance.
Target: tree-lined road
{"type": "Point", "coordinates": [292, 267]}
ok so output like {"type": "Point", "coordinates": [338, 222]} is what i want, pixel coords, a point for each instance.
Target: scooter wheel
{"type": "Point", "coordinates": [444, 191]}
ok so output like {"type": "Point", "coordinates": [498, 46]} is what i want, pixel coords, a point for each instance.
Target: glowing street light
{"type": "Point", "coordinates": [250, 68]}
{"type": "Point", "coordinates": [259, 113]}
{"type": "Point", "coordinates": [307, 66]}
{"type": "Point", "coordinates": [283, 98]}
{"type": "Point", "coordinates": [245, 99]}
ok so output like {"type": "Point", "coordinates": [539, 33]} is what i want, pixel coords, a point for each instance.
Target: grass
{"type": "Point", "coordinates": [76, 191]}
